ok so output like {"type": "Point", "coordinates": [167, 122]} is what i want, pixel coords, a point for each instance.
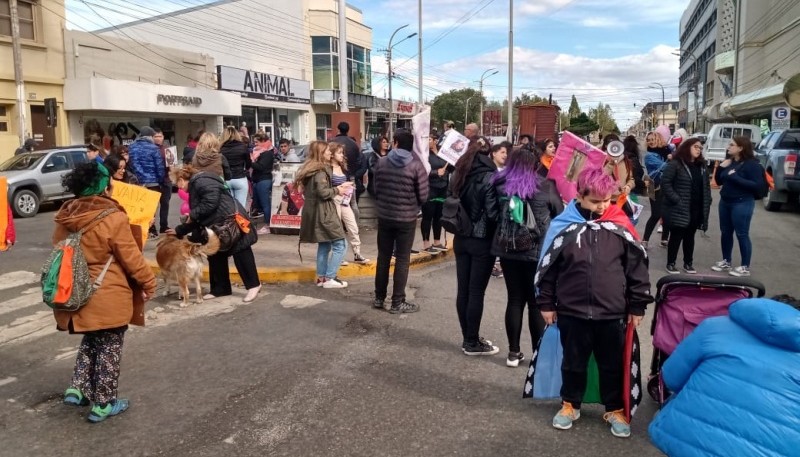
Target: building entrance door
{"type": "Point", "coordinates": [45, 136]}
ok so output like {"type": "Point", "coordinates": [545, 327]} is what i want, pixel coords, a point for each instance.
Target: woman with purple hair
{"type": "Point", "coordinates": [519, 183]}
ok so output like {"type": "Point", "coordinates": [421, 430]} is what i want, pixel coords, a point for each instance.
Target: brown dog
{"type": "Point", "coordinates": [181, 261]}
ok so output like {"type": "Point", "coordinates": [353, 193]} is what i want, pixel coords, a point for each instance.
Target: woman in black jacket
{"type": "Point", "coordinates": [687, 201]}
{"type": "Point", "coordinates": [438, 178]}
{"type": "Point", "coordinates": [262, 178]}
{"type": "Point", "coordinates": [519, 179]}
{"type": "Point", "coordinates": [235, 151]}
{"type": "Point", "coordinates": [471, 182]}
{"type": "Point", "coordinates": [380, 147]}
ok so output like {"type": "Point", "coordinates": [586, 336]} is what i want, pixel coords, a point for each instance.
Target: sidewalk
{"type": "Point", "coordinates": [278, 260]}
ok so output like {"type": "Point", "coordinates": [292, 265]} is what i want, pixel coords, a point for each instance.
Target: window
{"type": "Point", "coordinates": [56, 162]}
{"type": "Point", "coordinates": [727, 132]}
{"type": "Point", "coordinates": [325, 61]}
{"type": "Point", "coordinates": [78, 157]}
{"type": "Point", "coordinates": [25, 9]}
{"type": "Point", "coordinates": [790, 140]}
{"type": "Point", "coordinates": [323, 126]}
{"type": "Point", "coordinates": [3, 118]}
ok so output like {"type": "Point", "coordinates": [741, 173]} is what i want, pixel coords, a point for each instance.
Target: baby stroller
{"type": "Point", "coordinates": [682, 303]}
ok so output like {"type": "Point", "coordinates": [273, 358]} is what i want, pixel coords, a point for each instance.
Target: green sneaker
{"type": "Point", "coordinates": [566, 416]}
{"type": "Point", "coordinates": [74, 397]}
{"type": "Point", "coordinates": [619, 425]}
{"type": "Point", "coordinates": [101, 413]}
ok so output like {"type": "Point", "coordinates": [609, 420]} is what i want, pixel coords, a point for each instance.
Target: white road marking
{"type": "Point", "coordinates": [300, 301]}
{"type": "Point", "coordinates": [66, 355]}
{"type": "Point", "coordinates": [29, 327]}
{"type": "Point", "coordinates": [8, 380]}
{"type": "Point", "coordinates": [18, 278]}
{"type": "Point", "coordinates": [23, 301]}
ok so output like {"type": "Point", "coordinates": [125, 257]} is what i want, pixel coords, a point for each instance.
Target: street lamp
{"type": "Point", "coordinates": [466, 110]}
{"type": "Point", "coordinates": [484, 76]}
{"type": "Point", "coordinates": [389, 61]}
{"type": "Point", "coordinates": [662, 101]}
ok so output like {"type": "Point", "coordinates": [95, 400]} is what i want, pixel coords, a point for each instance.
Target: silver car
{"type": "Point", "coordinates": [35, 177]}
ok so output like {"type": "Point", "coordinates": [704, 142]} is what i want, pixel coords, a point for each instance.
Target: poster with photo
{"type": "Point", "coordinates": [171, 156]}
{"type": "Point", "coordinates": [572, 157]}
{"type": "Point", "coordinates": [455, 145]}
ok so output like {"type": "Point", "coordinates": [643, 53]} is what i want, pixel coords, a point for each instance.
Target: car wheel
{"type": "Point", "coordinates": [26, 203]}
{"type": "Point", "coordinates": [770, 204]}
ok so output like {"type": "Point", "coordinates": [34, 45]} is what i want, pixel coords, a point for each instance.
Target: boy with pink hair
{"type": "Point", "coordinates": [593, 280]}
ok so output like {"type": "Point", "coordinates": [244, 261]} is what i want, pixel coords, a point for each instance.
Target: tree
{"type": "Point", "coordinates": [574, 109]}
{"type": "Point", "coordinates": [604, 116]}
{"type": "Point", "coordinates": [451, 105]}
{"type": "Point", "coordinates": [526, 99]}
{"type": "Point", "coordinates": [582, 125]}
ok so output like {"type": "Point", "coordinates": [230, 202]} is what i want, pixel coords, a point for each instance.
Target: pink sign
{"type": "Point", "coordinates": [572, 157]}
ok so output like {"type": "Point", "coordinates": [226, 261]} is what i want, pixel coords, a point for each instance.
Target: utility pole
{"type": "Point", "coordinates": [419, 50]}
{"type": "Point", "coordinates": [344, 93]}
{"type": "Point", "coordinates": [483, 76]}
{"type": "Point", "coordinates": [389, 61]}
{"type": "Point", "coordinates": [510, 130]}
{"type": "Point", "coordinates": [22, 107]}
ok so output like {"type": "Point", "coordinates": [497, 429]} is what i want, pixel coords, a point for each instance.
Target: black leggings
{"type": "Point", "coordinates": [519, 276]}
{"type": "Point", "coordinates": [474, 264]}
{"type": "Point", "coordinates": [432, 216]}
{"type": "Point", "coordinates": [678, 236]}
{"type": "Point", "coordinates": [655, 216]}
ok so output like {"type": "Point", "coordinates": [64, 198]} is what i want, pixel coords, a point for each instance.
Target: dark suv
{"type": "Point", "coordinates": [778, 152]}
{"type": "Point", "coordinates": [35, 177]}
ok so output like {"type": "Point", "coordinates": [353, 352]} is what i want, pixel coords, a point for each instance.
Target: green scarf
{"type": "Point", "coordinates": [100, 184]}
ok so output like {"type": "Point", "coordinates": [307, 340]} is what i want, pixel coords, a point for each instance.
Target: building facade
{"type": "Point", "coordinates": [698, 38]}
{"type": "Point", "coordinates": [654, 114]}
{"type": "Point", "coordinates": [43, 74]}
{"type": "Point", "coordinates": [112, 92]}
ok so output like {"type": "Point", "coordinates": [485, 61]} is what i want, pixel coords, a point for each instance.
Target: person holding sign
{"type": "Point", "coordinates": [438, 179]}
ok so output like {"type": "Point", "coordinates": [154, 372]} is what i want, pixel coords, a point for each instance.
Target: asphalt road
{"type": "Point", "coordinates": [306, 371]}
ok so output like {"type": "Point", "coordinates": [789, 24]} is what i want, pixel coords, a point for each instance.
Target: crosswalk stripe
{"type": "Point", "coordinates": [18, 278]}
{"type": "Point", "coordinates": [29, 327]}
{"type": "Point", "coordinates": [23, 301]}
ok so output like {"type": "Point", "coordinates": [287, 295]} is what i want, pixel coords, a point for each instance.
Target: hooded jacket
{"type": "Point", "coordinates": [146, 160]}
{"type": "Point", "coordinates": [401, 186]}
{"type": "Point", "coordinates": [115, 304]}
{"type": "Point", "coordinates": [238, 158]}
{"type": "Point", "coordinates": [736, 384]}
{"type": "Point", "coordinates": [479, 198]}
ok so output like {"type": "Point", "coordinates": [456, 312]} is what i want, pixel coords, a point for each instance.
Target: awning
{"type": "Point", "coordinates": [754, 102]}
{"type": "Point", "coordinates": [791, 92]}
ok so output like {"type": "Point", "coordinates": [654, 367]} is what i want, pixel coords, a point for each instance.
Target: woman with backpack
{"type": "Point", "coordinates": [518, 189]}
{"type": "Point", "coordinates": [741, 178]}
{"type": "Point", "coordinates": [113, 257]}
{"type": "Point", "coordinates": [471, 183]}
{"type": "Point", "coordinates": [655, 160]}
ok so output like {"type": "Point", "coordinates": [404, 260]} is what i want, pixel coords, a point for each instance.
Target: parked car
{"type": "Point", "coordinates": [35, 177]}
{"type": "Point", "coordinates": [720, 135]}
{"type": "Point", "coordinates": [778, 153]}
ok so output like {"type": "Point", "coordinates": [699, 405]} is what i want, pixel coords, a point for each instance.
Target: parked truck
{"type": "Point", "coordinates": [778, 153]}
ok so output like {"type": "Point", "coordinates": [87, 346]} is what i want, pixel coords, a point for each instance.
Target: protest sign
{"type": "Point", "coordinates": [139, 203]}
{"type": "Point", "coordinates": [572, 157]}
{"type": "Point", "coordinates": [455, 145]}
{"type": "Point", "coordinates": [171, 156]}
{"type": "Point", "coordinates": [422, 128]}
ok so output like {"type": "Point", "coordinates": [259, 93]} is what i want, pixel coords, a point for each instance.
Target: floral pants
{"type": "Point", "coordinates": [97, 365]}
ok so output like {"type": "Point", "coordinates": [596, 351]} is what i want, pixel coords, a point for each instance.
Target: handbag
{"type": "Point", "coordinates": [228, 232]}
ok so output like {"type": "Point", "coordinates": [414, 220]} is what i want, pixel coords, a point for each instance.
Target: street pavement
{"type": "Point", "coordinates": [307, 371]}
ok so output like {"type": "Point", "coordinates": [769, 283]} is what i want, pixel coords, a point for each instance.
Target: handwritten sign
{"type": "Point", "coordinates": [139, 203]}
{"type": "Point", "coordinates": [454, 146]}
{"type": "Point", "coordinates": [572, 157]}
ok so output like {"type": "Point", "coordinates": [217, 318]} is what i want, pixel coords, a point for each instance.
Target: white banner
{"type": "Point", "coordinates": [422, 125]}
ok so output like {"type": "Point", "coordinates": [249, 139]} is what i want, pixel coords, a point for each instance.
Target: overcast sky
{"type": "Point", "coordinates": [599, 50]}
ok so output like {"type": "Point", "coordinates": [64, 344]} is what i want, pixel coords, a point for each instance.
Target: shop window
{"type": "Point", "coordinates": [323, 72]}
{"type": "Point", "coordinates": [325, 62]}
{"type": "Point", "coordinates": [4, 118]}
{"type": "Point", "coordinates": [323, 126]}
{"type": "Point", "coordinates": [26, 23]}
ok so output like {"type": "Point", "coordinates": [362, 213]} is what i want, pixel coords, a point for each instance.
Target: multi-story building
{"type": "Point", "coordinates": [698, 38]}
{"type": "Point", "coordinates": [756, 61]}
{"type": "Point", "coordinates": [655, 114]}
{"type": "Point", "coordinates": [280, 56]}
{"type": "Point", "coordinates": [42, 70]}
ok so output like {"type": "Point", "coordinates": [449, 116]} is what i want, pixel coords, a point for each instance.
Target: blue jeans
{"type": "Point", "coordinates": [239, 189]}
{"type": "Point", "coordinates": [263, 193]}
{"type": "Point", "coordinates": [328, 263]}
{"type": "Point", "coordinates": [735, 217]}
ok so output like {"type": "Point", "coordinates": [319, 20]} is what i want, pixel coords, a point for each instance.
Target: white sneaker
{"type": "Point", "coordinates": [252, 294]}
{"type": "Point", "coordinates": [334, 283]}
{"type": "Point", "coordinates": [722, 265]}
{"type": "Point", "coordinates": [740, 272]}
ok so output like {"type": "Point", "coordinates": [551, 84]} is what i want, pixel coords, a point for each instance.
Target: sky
{"type": "Point", "coordinates": [609, 51]}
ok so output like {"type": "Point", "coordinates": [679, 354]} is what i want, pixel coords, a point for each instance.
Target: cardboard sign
{"type": "Point", "coordinates": [572, 157]}
{"type": "Point", "coordinates": [422, 127]}
{"type": "Point", "coordinates": [139, 203]}
{"type": "Point", "coordinates": [455, 145]}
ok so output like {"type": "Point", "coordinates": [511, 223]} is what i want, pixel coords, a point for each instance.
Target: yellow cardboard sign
{"type": "Point", "coordinates": [139, 203]}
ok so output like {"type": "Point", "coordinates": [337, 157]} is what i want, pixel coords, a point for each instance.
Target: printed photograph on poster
{"type": "Point", "coordinates": [572, 157]}
{"type": "Point", "coordinates": [171, 156]}
{"type": "Point", "coordinates": [454, 146]}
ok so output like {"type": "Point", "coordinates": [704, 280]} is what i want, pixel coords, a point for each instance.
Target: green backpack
{"type": "Point", "coordinates": [66, 285]}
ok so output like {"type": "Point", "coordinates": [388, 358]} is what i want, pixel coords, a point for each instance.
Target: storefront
{"type": "Point", "coordinates": [115, 110]}
{"type": "Point", "coordinates": [277, 105]}
{"type": "Point", "coordinates": [377, 118]}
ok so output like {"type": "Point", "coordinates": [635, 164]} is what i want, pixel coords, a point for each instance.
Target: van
{"type": "Point", "coordinates": [720, 135]}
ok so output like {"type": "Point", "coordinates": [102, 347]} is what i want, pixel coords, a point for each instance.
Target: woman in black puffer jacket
{"type": "Point", "coordinates": [235, 151]}
{"type": "Point", "coordinates": [471, 182]}
{"type": "Point", "coordinates": [687, 201]}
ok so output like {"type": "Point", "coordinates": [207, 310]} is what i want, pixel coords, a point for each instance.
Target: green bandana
{"type": "Point", "coordinates": [100, 184]}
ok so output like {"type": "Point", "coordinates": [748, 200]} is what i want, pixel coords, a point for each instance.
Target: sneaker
{"type": "Point", "coordinates": [722, 265]}
{"type": "Point", "coordinates": [74, 397]}
{"type": "Point", "coordinates": [514, 358]}
{"type": "Point", "coordinates": [688, 268]}
{"type": "Point", "coordinates": [344, 263]}
{"type": "Point", "coordinates": [439, 247]}
{"type": "Point", "coordinates": [252, 294]}
{"type": "Point", "coordinates": [405, 307]}
{"type": "Point", "coordinates": [431, 250]}
{"type": "Point", "coordinates": [334, 283]}
{"type": "Point", "coordinates": [263, 230]}
{"type": "Point", "coordinates": [566, 416]}
{"type": "Point", "coordinates": [100, 413]}
{"type": "Point", "coordinates": [660, 229]}
{"type": "Point", "coordinates": [360, 260]}
{"type": "Point", "coordinates": [480, 348]}
{"type": "Point", "coordinates": [379, 303]}
{"type": "Point", "coordinates": [480, 338]}
{"type": "Point", "coordinates": [321, 281]}
{"type": "Point", "coordinates": [672, 270]}
{"type": "Point", "coordinates": [740, 272]}
{"type": "Point", "coordinates": [619, 425]}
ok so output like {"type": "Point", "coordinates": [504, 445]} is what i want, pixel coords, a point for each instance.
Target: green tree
{"type": "Point", "coordinates": [582, 125]}
{"type": "Point", "coordinates": [603, 115]}
{"type": "Point", "coordinates": [527, 99]}
{"type": "Point", "coordinates": [452, 105]}
{"type": "Point", "coordinates": [574, 109]}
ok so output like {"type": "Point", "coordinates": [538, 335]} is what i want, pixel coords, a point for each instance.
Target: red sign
{"type": "Point", "coordinates": [284, 221]}
{"type": "Point", "coordinates": [405, 107]}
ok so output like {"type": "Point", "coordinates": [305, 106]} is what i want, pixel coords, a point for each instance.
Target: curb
{"type": "Point", "coordinates": [278, 275]}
